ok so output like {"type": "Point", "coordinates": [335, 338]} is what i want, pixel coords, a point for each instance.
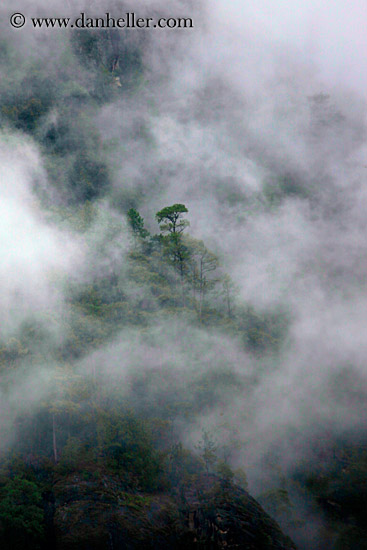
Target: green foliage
{"type": "Point", "coordinates": [339, 485]}
{"type": "Point", "coordinates": [201, 263]}
{"type": "Point", "coordinates": [24, 103]}
{"type": "Point", "coordinates": [263, 331]}
{"type": "Point", "coordinates": [284, 187]}
{"type": "Point", "coordinates": [110, 56]}
{"type": "Point", "coordinates": [135, 501]}
{"type": "Point", "coordinates": [207, 448]}
{"type": "Point", "coordinates": [130, 63]}
{"type": "Point", "coordinates": [88, 179]}
{"type": "Point", "coordinates": [11, 352]}
{"type": "Point", "coordinates": [181, 465]}
{"type": "Point", "coordinates": [240, 478]}
{"type": "Point", "coordinates": [21, 515]}
{"type": "Point", "coordinates": [228, 292]}
{"type": "Point", "coordinates": [276, 501]}
{"type": "Point", "coordinates": [178, 254]}
{"type": "Point", "coordinates": [75, 455]}
{"type": "Point", "coordinates": [89, 46]}
{"type": "Point", "coordinates": [59, 137]}
{"type": "Point", "coordinates": [225, 472]}
{"type": "Point", "coordinates": [172, 218]}
{"type": "Point", "coordinates": [125, 443]}
{"type": "Point", "coordinates": [136, 224]}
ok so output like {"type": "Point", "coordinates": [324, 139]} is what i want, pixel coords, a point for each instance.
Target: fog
{"type": "Point", "coordinates": [32, 250]}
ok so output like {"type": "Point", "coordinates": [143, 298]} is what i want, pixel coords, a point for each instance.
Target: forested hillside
{"type": "Point", "coordinates": [182, 292]}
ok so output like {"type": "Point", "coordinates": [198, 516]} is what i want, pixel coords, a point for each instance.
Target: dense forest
{"type": "Point", "coordinates": [182, 294]}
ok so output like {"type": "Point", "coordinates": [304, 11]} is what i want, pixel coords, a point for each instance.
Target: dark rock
{"type": "Point", "coordinates": [206, 513]}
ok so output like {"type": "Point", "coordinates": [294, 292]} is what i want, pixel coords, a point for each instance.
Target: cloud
{"type": "Point", "coordinates": [32, 250]}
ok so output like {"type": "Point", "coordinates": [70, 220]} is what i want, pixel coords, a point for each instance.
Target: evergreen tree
{"type": "Point", "coordinates": [136, 224]}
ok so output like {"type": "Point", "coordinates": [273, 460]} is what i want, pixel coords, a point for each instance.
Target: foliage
{"type": "Point", "coordinates": [276, 500]}
{"type": "Point", "coordinates": [24, 103]}
{"type": "Point", "coordinates": [171, 216]}
{"type": "Point", "coordinates": [225, 472]}
{"type": "Point", "coordinates": [240, 478]}
{"type": "Point", "coordinates": [263, 331]}
{"type": "Point", "coordinates": [136, 224]}
{"type": "Point", "coordinates": [88, 179]}
{"type": "Point", "coordinates": [21, 515]}
{"type": "Point", "coordinates": [207, 448]}
{"type": "Point", "coordinates": [125, 443]}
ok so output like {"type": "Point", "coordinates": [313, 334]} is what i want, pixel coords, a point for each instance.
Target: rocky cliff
{"type": "Point", "coordinates": [206, 513]}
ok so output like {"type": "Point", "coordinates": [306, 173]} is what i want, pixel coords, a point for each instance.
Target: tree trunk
{"type": "Point", "coordinates": [182, 285]}
{"type": "Point", "coordinates": [201, 291]}
{"type": "Point", "coordinates": [54, 437]}
{"type": "Point", "coordinates": [228, 304]}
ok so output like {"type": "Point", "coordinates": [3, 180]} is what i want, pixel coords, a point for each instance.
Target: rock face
{"type": "Point", "coordinates": [205, 514]}
{"type": "Point", "coordinates": [224, 516]}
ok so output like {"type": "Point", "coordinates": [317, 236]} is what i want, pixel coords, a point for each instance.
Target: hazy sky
{"type": "Point", "coordinates": [330, 33]}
